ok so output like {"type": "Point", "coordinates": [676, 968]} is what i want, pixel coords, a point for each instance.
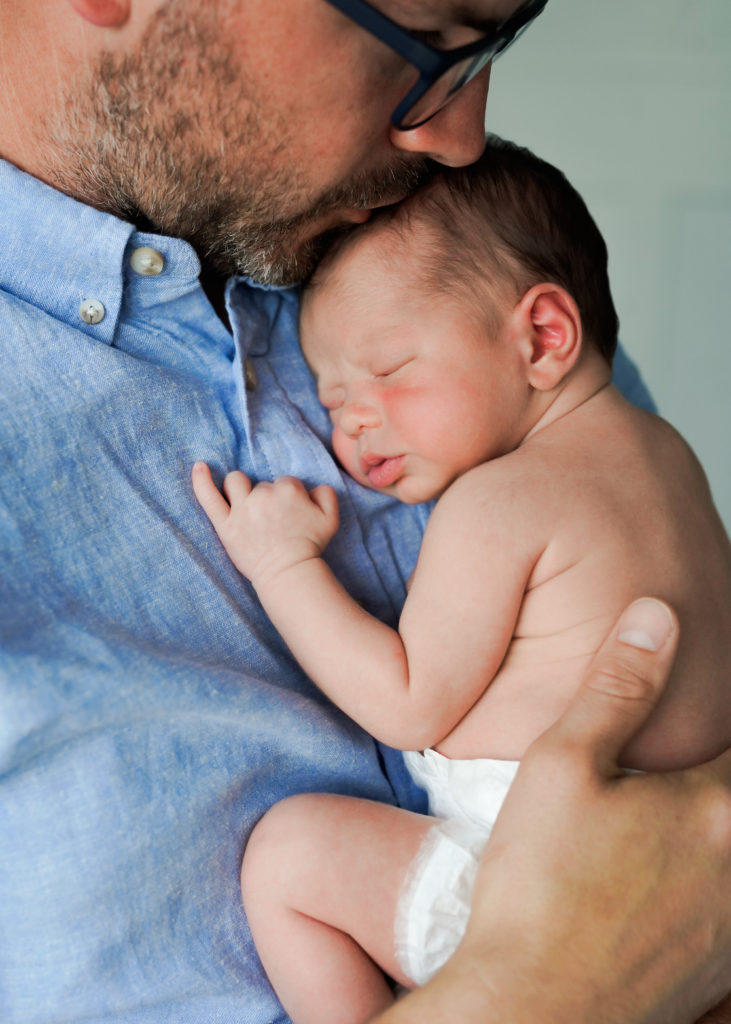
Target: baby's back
{"type": "Point", "coordinates": [619, 507]}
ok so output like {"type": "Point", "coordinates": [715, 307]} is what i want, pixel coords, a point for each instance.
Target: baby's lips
{"type": "Point", "coordinates": [385, 472]}
{"type": "Point", "coordinates": [370, 459]}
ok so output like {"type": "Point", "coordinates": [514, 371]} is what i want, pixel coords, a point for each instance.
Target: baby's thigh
{"type": "Point", "coordinates": [339, 860]}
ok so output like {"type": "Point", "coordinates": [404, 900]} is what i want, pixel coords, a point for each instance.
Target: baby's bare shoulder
{"type": "Point", "coordinates": [502, 487]}
{"type": "Point", "coordinates": [647, 458]}
{"type": "Point", "coordinates": [612, 452]}
{"type": "Point", "coordinates": [606, 473]}
{"type": "Point", "coordinates": [490, 506]}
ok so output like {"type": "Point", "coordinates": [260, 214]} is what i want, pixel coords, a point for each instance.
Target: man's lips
{"type": "Point", "coordinates": [357, 216]}
{"type": "Point", "coordinates": [382, 472]}
{"type": "Point", "coordinates": [361, 214]}
{"type": "Point", "coordinates": [343, 216]}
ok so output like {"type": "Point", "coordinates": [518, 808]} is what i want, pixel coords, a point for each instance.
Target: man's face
{"type": "Point", "coordinates": [256, 129]}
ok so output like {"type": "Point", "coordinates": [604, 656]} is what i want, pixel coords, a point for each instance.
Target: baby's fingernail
{"type": "Point", "coordinates": [645, 624]}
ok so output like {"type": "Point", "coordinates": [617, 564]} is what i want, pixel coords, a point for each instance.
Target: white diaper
{"type": "Point", "coordinates": [436, 896]}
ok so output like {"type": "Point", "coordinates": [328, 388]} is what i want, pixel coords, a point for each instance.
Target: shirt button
{"type": "Point", "coordinates": [146, 261]}
{"type": "Point", "coordinates": [92, 311]}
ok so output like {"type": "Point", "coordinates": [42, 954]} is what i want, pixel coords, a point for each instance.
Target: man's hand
{"type": "Point", "coordinates": [603, 898]}
{"type": "Point", "coordinates": [268, 528]}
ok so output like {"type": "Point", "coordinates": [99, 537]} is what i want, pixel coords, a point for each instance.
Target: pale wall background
{"type": "Point", "coordinates": [632, 100]}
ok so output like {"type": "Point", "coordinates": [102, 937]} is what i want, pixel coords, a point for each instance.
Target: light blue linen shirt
{"type": "Point", "coordinates": [149, 712]}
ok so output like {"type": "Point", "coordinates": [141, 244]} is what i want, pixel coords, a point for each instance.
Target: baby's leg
{"type": "Point", "coordinates": [320, 881]}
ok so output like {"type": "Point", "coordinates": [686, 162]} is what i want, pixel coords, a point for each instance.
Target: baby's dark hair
{"type": "Point", "coordinates": [514, 217]}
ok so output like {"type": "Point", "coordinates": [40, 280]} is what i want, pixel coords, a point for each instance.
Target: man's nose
{"type": "Point", "coordinates": [455, 136]}
{"type": "Point", "coordinates": [355, 417]}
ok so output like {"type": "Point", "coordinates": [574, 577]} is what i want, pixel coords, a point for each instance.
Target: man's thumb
{"type": "Point", "coordinates": [623, 684]}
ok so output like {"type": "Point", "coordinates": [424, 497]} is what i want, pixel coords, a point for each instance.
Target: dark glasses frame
{"type": "Point", "coordinates": [432, 63]}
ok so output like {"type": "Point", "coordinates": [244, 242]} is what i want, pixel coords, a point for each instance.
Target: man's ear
{"type": "Point", "coordinates": [550, 328]}
{"type": "Point", "coordinates": [104, 13]}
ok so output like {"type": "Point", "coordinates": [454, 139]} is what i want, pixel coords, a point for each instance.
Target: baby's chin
{"type": "Point", "coordinates": [409, 495]}
{"type": "Point", "coordinates": [406, 490]}
{"type": "Point", "coordinates": [414, 490]}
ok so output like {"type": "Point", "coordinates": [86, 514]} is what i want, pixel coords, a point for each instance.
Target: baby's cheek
{"type": "Point", "coordinates": [417, 414]}
{"type": "Point", "coordinates": [346, 454]}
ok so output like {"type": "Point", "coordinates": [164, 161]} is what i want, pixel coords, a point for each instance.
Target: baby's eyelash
{"type": "Point", "coordinates": [393, 369]}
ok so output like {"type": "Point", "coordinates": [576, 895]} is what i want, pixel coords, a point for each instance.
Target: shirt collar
{"type": "Point", "coordinates": [57, 253]}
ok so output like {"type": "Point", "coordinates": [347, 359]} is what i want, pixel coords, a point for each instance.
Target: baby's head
{"type": "Point", "coordinates": [432, 329]}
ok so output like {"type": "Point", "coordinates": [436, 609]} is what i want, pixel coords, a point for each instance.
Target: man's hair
{"type": "Point", "coordinates": [512, 217]}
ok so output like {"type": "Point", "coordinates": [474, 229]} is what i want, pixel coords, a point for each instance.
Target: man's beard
{"type": "Point", "coordinates": [279, 251]}
{"type": "Point", "coordinates": [131, 143]}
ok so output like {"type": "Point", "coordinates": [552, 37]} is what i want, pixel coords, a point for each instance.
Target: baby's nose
{"type": "Point", "coordinates": [355, 417]}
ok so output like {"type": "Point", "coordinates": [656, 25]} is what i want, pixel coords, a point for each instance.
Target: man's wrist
{"type": "Point", "coordinates": [486, 984]}
{"type": "Point", "coordinates": [462, 992]}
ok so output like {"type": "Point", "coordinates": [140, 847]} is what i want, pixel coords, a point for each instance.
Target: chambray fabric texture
{"type": "Point", "coordinates": [149, 713]}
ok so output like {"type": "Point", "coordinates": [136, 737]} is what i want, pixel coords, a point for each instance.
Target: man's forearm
{"type": "Point", "coordinates": [470, 997]}
{"type": "Point", "coordinates": [469, 992]}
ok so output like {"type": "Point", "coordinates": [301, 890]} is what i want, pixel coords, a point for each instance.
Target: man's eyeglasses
{"type": "Point", "coordinates": [442, 73]}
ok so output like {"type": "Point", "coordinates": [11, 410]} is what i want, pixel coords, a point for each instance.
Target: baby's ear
{"type": "Point", "coordinates": [550, 329]}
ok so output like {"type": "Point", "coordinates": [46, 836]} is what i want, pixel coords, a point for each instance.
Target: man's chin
{"type": "Point", "coordinates": [285, 252]}
{"type": "Point", "coordinates": [280, 265]}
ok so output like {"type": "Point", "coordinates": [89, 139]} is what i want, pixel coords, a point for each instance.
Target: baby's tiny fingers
{"type": "Point", "coordinates": [237, 486]}
{"type": "Point", "coordinates": [209, 497]}
{"type": "Point", "coordinates": [289, 484]}
{"type": "Point", "coordinates": [326, 500]}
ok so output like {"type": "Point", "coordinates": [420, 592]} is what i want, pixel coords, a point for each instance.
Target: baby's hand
{"type": "Point", "coordinates": [268, 528]}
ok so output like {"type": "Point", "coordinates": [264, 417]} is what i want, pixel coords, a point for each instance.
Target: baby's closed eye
{"type": "Point", "coordinates": [389, 369]}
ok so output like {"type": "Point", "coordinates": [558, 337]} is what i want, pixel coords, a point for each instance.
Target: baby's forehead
{"type": "Point", "coordinates": [384, 254]}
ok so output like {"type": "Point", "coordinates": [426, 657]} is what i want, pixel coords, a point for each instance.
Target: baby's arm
{"type": "Point", "coordinates": [408, 688]}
